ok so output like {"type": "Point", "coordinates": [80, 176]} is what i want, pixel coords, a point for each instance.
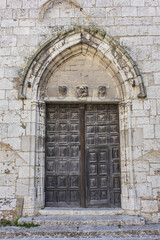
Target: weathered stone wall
{"type": "Point", "coordinates": [135, 25]}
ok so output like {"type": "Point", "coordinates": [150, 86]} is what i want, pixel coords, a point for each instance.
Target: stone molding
{"type": "Point", "coordinates": [82, 41]}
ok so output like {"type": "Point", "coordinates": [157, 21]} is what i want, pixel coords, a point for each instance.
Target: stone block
{"type": "Point", "coordinates": [3, 130]}
{"type": "Point", "coordinates": [137, 152]}
{"type": "Point", "coordinates": [154, 169]}
{"type": "Point", "coordinates": [143, 52]}
{"type": "Point", "coordinates": [91, 3]}
{"type": "Point", "coordinates": [157, 131]}
{"type": "Point", "coordinates": [3, 105]}
{"type": "Point", "coordinates": [25, 172]}
{"type": "Point", "coordinates": [144, 190]}
{"type": "Point", "coordinates": [9, 23]}
{"type": "Point", "coordinates": [7, 192]}
{"type": "Point", "coordinates": [27, 40]}
{"type": "Point", "coordinates": [7, 204]}
{"type": "Point", "coordinates": [142, 120]}
{"type": "Point", "coordinates": [137, 137]}
{"type": "Point", "coordinates": [12, 94]}
{"type": "Point", "coordinates": [141, 166]}
{"type": "Point", "coordinates": [7, 41]}
{"type": "Point", "coordinates": [151, 3]}
{"type": "Point", "coordinates": [113, 12]}
{"type": "Point", "coordinates": [29, 4]}
{"type": "Point", "coordinates": [55, 13]}
{"type": "Point", "coordinates": [15, 105]}
{"type": "Point", "coordinates": [137, 104]}
{"type": "Point", "coordinates": [149, 206]}
{"type": "Point", "coordinates": [129, 11]}
{"type": "Point", "coordinates": [20, 13]}
{"type": "Point", "coordinates": [2, 94]}
{"type": "Point", "coordinates": [97, 12]}
{"type": "Point", "coordinates": [34, 13]}
{"type": "Point", "coordinates": [14, 3]}
{"type": "Point", "coordinates": [156, 52]}
{"type": "Point", "coordinates": [4, 51]}
{"type": "Point", "coordinates": [141, 113]}
{"type": "Point", "coordinates": [28, 143]}
{"type": "Point", "coordinates": [12, 117]}
{"type": "Point", "coordinates": [157, 78]}
{"type": "Point", "coordinates": [137, 3]}
{"type": "Point", "coordinates": [141, 177]}
{"type": "Point", "coordinates": [6, 14]}
{"type": "Point", "coordinates": [103, 3]}
{"type": "Point", "coordinates": [63, 21]}
{"type": "Point", "coordinates": [153, 92]}
{"type": "Point", "coordinates": [154, 30]}
{"type": "Point", "coordinates": [146, 11]}
{"type": "Point", "coordinates": [123, 21]}
{"type": "Point", "coordinates": [137, 30]}
{"type": "Point", "coordinates": [21, 30]}
{"type": "Point", "coordinates": [148, 131]}
{"type": "Point", "coordinates": [15, 130]}
{"type": "Point", "coordinates": [64, 13]}
{"type": "Point", "coordinates": [2, 72]}
{"type": "Point", "coordinates": [121, 3]}
{"type": "Point", "coordinates": [118, 30]}
{"type": "Point", "coordinates": [145, 40]}
{"type": "Point", "coordinates": [155, 180]}
{"type": "Point", "coordinates": [27, 23]}
{"type": "Point", "coordinates": [3, 4]}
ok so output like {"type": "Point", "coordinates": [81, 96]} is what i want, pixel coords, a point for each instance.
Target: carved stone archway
{"type": "Point", "coordinates": [128, 81]}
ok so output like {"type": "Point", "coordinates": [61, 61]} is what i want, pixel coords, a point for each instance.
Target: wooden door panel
{"type": "Point", "coordinates": [102, 156]}
{"type": "Point", "coordinates": [62, 156]}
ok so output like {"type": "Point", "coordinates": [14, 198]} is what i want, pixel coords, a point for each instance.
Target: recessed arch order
{"type": "Point", "coordinates": [88, 42]}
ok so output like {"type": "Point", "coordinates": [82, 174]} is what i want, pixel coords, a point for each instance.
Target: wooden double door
{"type": "Point", "coordinates": [82, 155]}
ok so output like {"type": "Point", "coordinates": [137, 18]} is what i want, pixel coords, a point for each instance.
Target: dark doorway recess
{"type": "Point", "coordinates": [82, 155]}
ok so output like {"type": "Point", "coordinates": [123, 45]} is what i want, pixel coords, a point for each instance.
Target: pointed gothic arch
{"type": "Point", "coordinates": [82, 41]}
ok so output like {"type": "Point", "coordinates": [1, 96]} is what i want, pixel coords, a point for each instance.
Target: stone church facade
{"type": "Point", "coordinates": [80, 106]}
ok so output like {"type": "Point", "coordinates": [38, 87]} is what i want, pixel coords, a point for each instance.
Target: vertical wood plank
{"type": "Point", "coordinates": [82, 162]}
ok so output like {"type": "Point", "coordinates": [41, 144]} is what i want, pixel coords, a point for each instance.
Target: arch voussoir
{"type": "Point", "coordinates": [82, 41]}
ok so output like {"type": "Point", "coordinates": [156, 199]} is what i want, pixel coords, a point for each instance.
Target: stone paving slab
{"type": "Point", "coordinates": [84, 220]}
{"type": "Point", "coordinates": [81, 231]}
{"type": "Point", "coordinates": [110, 237]}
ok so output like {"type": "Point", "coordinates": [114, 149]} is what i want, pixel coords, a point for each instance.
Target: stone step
{"type": "Point", "coordinates": [76, 220]}
{"type": "Point", "coordinates": [84, 230]}
{"type": "Point", "coordinates": [80, 211]}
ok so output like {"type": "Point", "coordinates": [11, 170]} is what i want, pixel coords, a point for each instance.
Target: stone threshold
{"type": "Point", "coordinates": [81, 211]}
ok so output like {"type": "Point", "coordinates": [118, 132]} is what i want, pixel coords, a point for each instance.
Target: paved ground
{"type": "Point", "coordinates": [149, 231]}
{"type": "Point", "coordinates": [126, 237]}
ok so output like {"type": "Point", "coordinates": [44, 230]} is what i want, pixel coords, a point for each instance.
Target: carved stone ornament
{"type": "Point", "coordinates": [102, 91]}
{"type": "Point", "coordinates": [82, 91]}
{"type": "Point", "coordinates": [62, 90]}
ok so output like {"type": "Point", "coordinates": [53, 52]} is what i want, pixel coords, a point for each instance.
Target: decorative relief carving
{"type": "Point", "coordinates": [62, 90]}
{"type": "Point", "coordinates": [102, 91]}
{"type": "Point", "coordinates": [82, 91]}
